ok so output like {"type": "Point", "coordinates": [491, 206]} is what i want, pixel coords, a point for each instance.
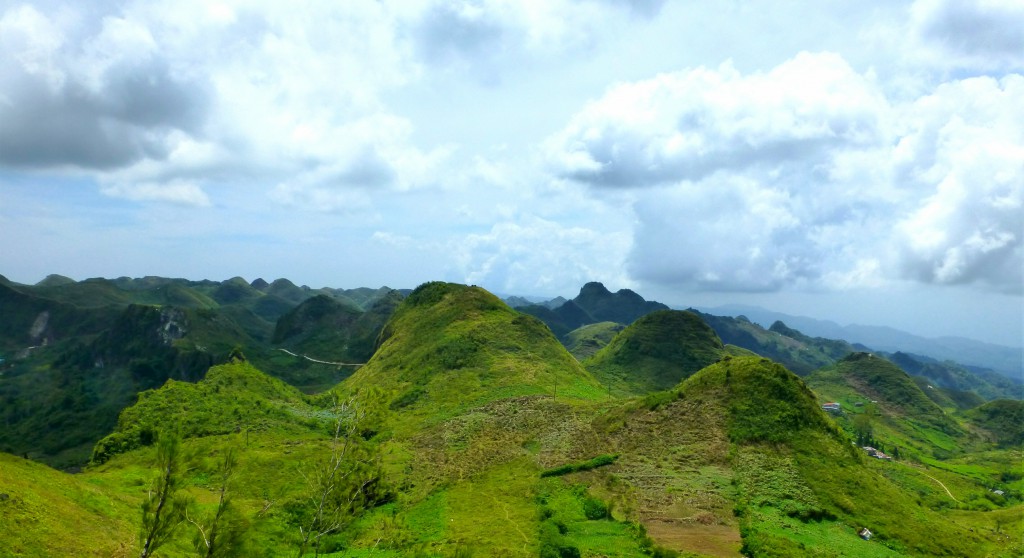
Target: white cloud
{"type": "Point", "coordinates": [964, 153]}
{"type": "Point", "coordinates": [536, 256]}
{"type": "Point", "coordinates": [688, 125]}
{"type": "Point", "coordinates": [807, 176]}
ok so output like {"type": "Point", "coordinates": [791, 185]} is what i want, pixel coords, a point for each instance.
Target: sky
{"type": "Point", "coordinates": [855, 161]}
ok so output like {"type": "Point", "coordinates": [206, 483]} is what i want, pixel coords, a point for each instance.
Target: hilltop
{"type": "Point", "coordinates": [656, 352]}
{"type": "Point", "coordinates": [450, 345]}
{"type": "Point", "coordinates": [594, 304]}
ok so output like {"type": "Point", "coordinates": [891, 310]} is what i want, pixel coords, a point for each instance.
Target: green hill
{"type": "Point", "coordinates": [448, 346]}
{"type": "Point", "coordinates": [952, 376]}
{"type": "Point", "coordinates": [656, 352]}
{"type": "Point", "coordinates": [584, 341]}
{"type": "Point", "coordinates": [1003, 419]}
{"type": "Point", "coordinates": [798, 352]}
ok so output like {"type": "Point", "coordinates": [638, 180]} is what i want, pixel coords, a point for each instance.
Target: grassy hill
{"type": "Point", "coordinates": [584, 341]}
{"type": "Point", "coordinates": [656, 352]}
{"type": "Point", "coordinates": [1003, 419]}
{"type": "Point", "coordinates": [472, 432]}
{"type": "Point", "coordinates": [448, 346]}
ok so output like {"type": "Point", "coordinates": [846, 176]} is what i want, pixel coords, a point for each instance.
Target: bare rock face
{"type": "Point", "coordinates": [172, 325]}
{"type": "Point", "coordinates": [38, 328]}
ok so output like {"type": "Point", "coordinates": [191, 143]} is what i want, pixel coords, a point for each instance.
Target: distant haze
{"type": "Point", "coordinates": [858, 162]}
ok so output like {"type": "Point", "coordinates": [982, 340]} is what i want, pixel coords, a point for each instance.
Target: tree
{"type": "Point", "coordinates": [164, 509]}
{"type": "Point", "coordinates": [220, 535]}
{"type": "Point", "coordinates": [345, 482]}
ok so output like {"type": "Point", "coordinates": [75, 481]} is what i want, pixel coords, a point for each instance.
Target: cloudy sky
{"type": "Point", "coordinates": [858, 161]}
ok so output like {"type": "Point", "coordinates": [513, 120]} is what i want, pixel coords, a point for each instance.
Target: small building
{"type": "Point", "coordinates": [865, 534]}
{"type": "Point", "coordinates": [832, 407]}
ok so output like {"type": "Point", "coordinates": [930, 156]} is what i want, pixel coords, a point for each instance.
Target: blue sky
{"type": "Point", "coordinates": [855, 161]}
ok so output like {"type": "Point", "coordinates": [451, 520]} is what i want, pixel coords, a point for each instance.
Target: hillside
{"type": "Point", "coordinates": [1008, 361]}
{"type": "Point", "coordinates": [1003, 419]}
{"type": "Point", "coordinates": [584, 341]}
{"type": "Point", "coordinates": [450, 345]}
{"type": "Point", "coordinates": [73, 354]}
{"type": "Point", "coordinates": [798, 352]}
{"type": "Point", "coordinates": [471, 431]}
{"type": "Point", "coordinates": [655, 353]}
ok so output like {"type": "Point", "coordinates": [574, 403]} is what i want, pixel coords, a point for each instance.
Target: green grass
{"type": "Point", "coordinates": [655, 353]}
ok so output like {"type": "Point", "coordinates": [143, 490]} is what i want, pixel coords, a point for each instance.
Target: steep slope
{"type": "Point", "coordinates": [798, 352]}
{"type": "Point", "coordinates": [232, 397]}
{"type": "Point", "coordinates": [795, 469]}
{"type": "Point", "coordinates": [623, 307]}
{"type": "Point", "coordinates": [655, 353]}
{"type": "Point", "coordinates": [321, 341]}
{"type": "Point", "coordinates": [951, 375]}
{"type": "Point", "coordinates": [60, 399]}
{"type": "Point", "coordinates": [593, 304]}
{"type": "Point", "coordinates": [448, 346]}
{"type": "Point", "coordinates": [884, 407]}
{"type": "Point", "coordinates": [1003, 419]}
{"type": "Point", "coordinates": [584, 342]}
{"type": "Point", "coordinates": [44, 512]}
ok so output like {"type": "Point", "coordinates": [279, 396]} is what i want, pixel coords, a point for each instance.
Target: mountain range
{"type": "Point", "coordinates": [440, 421]}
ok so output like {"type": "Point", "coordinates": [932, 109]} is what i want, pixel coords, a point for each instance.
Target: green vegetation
{"type": "Point", "coordinates": [587, 340]}
{"type": "Point", "coordinates": [655, 353]}
{"type": "Point", "coordinates": [471, 431]}
{"type": "Point", "coordinates": [599, 461]}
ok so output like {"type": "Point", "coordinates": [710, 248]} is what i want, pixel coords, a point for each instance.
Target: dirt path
{"type": "Point", "coordinates": [921, 470]}
{"type": "Point", "coordinates": [322, 361]}
{"type": "Point", "coordinates": [943, 487]}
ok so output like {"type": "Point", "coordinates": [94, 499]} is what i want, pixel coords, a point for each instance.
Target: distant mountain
{"type": "Point", "coordinates": [952, 376]}
{"type": "Point", "coordinates": [1008, 361]}
{"type": "Point", "coordinates": [800, 353]}
{"type": "Point", "coordinates": [593, 304]}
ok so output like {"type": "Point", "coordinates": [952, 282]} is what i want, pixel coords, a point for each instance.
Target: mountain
{"type": "Point", "coordinates": [953, 376]}
{"type": "Point", "coordinates": [593, 304]}
{"type": "Point", "coordinates": [883, 406]}
{"type": "Point", "coordinates": [450, 345]}
{"type": "Point", "coordinates": [472, 431]}
{"type": "Point", "coordinates": [656, 352]}
{"type": "Point", "coordinates": [1008, 361]}
{"type": "Point", "coordinates": [73, 354]}
{"type": "Point", "coordinates": [584, 341]}
{"type": "Point", "coordinates": [800, 353]}
{"type": "Point", "coordinates": [1003, 419]}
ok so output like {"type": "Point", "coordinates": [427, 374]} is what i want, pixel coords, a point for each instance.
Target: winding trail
{"type": "Point", "coordinates": [921, 470]}
{"type": "Point", "coordinates": [943, 487]}
{"type": "Point", "coordinates": [322, 361]}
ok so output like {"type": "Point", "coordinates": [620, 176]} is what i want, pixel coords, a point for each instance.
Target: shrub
{"type": "Point", "coordinates": [594, 508]}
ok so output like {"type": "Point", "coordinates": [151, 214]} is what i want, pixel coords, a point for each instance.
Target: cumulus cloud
{"type": "Point", "coordinates": [535, 255]}
{"type": "Point", "coordinates": [964, 151]}
{"type": "Point", "coordinates": [807, 176]}
{"type": "Point", "coordinates": [972, 33]}
{"type": "Point", "coordinates": [97, 102]}
{"type": "Point", "coordinates": [688, 125]}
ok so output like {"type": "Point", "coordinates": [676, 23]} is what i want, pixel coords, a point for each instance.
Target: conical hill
{"type": "Point", "coordinates": [656, 352]}
{"type": "Point", "coordinates": [450, 346]}
{"type": "Point", "coordinates": [874, 382]}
